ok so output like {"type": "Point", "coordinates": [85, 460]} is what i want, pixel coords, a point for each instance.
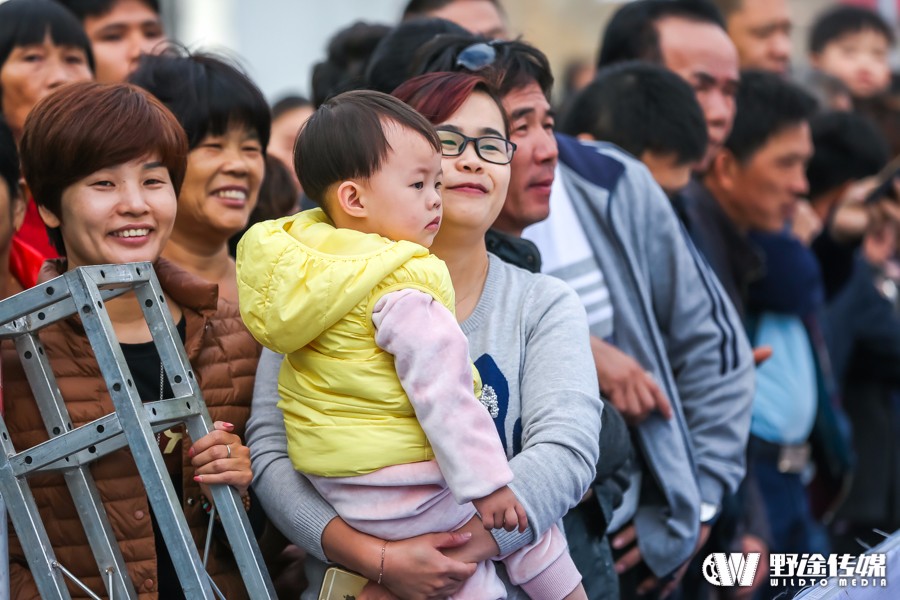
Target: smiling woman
{"type": "Point", "coordinates": [118, 160]}
{"type": "Point", "coordinates": [227, 122]}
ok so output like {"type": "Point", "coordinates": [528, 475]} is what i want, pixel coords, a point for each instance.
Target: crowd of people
{"type": "Point", "coordinates": [460, 337]}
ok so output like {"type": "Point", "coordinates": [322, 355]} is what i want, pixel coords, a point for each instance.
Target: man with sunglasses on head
{"type": "Point", "coordinates": [651, 302]}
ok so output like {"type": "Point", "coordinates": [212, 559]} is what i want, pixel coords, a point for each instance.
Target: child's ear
{"type": "Point", "coordinates": [350, 201]}
{"type": "Point", "coordinates": [815, 60]}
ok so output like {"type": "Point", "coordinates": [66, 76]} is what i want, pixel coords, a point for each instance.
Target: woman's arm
{"type": "Point", "coordinates": [560, 408]}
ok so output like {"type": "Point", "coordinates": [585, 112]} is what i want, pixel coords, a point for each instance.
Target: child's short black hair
{"type": "Point", "coordinates": [345, 139]}
{"type": "Point", "coordinates": [848, 147]}
{"type": "Point", "coordinates": [842, 20]}
{"type": "Point", "coordinates": [640, 106]}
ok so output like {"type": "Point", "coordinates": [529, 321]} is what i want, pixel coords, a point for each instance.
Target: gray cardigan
{"type": "Point", "coordinates": [528, 336]}
{"type": "Point", "coordinates": [672, 316]}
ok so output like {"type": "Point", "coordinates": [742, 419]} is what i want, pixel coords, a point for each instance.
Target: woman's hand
{"type": "Point", "coordinates": [373, 591]}
{"type": "Point", "coordinates": [416, 569]}
{"type": "Point", "coordinates": [220, 457]}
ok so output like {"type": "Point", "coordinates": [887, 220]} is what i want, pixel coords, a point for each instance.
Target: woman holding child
{"type": "Point", "coordinates": [530, 349]}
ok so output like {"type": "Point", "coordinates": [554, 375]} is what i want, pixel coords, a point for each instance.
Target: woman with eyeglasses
{"type": "Point", "coordinates": [528, 338]}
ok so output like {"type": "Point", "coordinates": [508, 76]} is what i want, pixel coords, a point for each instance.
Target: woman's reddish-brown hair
{"type": "Point", "coordinates": [438, 95]}
{"type": "Point", "coordinates": [85, 127]}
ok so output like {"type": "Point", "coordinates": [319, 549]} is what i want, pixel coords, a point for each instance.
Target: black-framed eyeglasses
{"type": "Point", "coordinates": [490, 148]}
{"type": "Point", "coordinates": [478, 56]}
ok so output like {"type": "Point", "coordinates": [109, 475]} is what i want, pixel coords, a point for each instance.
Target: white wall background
{"type": "Point", "coordinates": [277, 41]}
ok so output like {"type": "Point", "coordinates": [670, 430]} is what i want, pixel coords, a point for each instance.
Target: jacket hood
{"type": "Point", "coordinates": [298, 275]}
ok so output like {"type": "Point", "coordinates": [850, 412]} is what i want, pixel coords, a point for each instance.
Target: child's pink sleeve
{"type": "Point", "coordinates": [431, 356]}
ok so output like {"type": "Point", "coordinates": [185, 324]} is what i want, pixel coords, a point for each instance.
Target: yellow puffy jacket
{"type": "Point", "coordinates": [307, 290]}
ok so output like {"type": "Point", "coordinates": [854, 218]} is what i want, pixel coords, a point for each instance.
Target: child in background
{"type": "Point", "coordinates": [852, 44]}
{"type": "Point", "coordinates": [397, 443]}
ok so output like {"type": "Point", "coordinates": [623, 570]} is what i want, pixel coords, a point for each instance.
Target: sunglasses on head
{"type": "Point", "coordinates": [478, 56]}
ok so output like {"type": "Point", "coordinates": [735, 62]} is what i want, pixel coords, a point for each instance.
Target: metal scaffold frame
{"type": "Point", "coordinates": [83, 292]}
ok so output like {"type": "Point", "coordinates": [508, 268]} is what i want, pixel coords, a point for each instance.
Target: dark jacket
{"type": "Point", "coordinates": [864, 337]}
{"type": "Point", "coordinates": [735, 260]}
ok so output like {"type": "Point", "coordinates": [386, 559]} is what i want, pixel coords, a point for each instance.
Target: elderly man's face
{"type": "Point", "coordinates": [704, 56]}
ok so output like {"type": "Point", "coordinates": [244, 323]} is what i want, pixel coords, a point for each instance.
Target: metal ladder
{"type": "Point", "coordinates": [134, 423]}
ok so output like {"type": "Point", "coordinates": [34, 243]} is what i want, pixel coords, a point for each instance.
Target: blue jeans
{"type": "Point", "coordinates": [794, 530]}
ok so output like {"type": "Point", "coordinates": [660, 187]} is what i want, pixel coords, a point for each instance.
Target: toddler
{"type": "Point", "coordinates": [852, 43]}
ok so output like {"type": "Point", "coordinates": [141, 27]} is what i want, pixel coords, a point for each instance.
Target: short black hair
{"type": "Point", "coordinates": [390, 64]}
{"type": "Point", "coordinates": [631, 33]}
{"type": "Point", "coordinates": [422, 8]}
{"type": "Point", "coordinates": [345, 63]}
{"type": "Point", "coordinates": [9, 161]}
{"type": "Point", "coordinates": [205, 92]}
{"type": "Point", "coordinates": [345, 139]}
{"type": "Point", "coordinates": [97, 8]}
{"type": "Point", "coordinates": [843, 20]}
{"type": "Point", "coordinates": [515, 65]}
{"type": "Point", "coordinates": [27, 22]}
{"type": "Point", "coordinates": [848, 147]}
{"type": "Point", "coordinates": [766, 105]}
{"type": "Point", "coordinates": [288, 103]}
{"type": "Point", "coordinates": [640, 106]}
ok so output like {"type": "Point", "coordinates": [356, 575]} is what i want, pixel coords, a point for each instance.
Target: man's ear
{"type": "Point", "coordinates": [815, 60]}
{"type": "Point", "coordinates": [724, 168]}
{"type": "Point", "coordinates": [350, 200]}
{"type": "Point", "coordinates": [586, 137]}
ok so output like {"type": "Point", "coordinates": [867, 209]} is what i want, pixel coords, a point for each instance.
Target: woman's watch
{"type": "Point", "coordinates": [708, 512]}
